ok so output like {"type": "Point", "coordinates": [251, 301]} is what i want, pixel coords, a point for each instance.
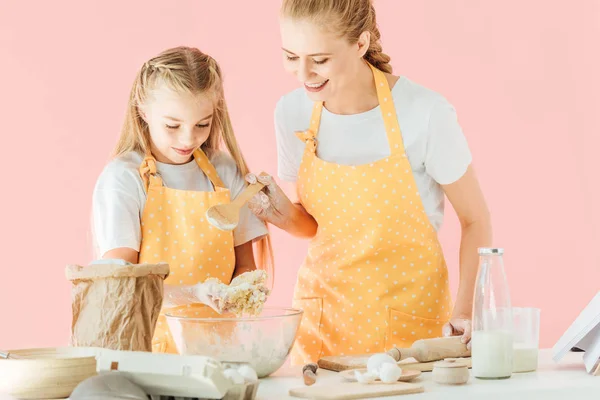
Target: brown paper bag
{"type": "Point", "coordinates": [116, 306]}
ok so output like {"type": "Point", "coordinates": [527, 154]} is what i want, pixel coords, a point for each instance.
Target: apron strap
{"type": "Point", "coordinates": [150, 176]}
{"type": "Point", "coordinates": [208, 169]}
{"type": "Point", "coordinates": [388, 112]}
{"type": "Point", "coordinates": [149, 173]}
{"type": "Point", "coordinates": [309, 136]}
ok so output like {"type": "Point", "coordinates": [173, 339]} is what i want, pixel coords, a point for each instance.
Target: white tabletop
{"type": "Point", "coordinates": [566, 380]}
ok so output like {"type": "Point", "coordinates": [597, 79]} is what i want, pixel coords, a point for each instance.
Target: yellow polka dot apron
{"type": "Point", "coordinates": [175, 231]}
{"type": "Point", "coordinates": [375, 276]}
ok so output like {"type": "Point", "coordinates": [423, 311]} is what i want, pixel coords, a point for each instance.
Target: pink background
{"type": "Point", "coordinates": [522, 75]}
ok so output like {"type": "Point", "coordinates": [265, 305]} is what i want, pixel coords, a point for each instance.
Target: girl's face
{"type": "Point", "coordinates": [179, 123]}
{"type": "Point", "coordinates": [324, 63]}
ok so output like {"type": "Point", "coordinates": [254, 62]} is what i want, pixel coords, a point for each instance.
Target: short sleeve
{"type": "Point", "coordinates": [116, 212]}
{"type": "Point", "coordinates": [447, 154]}
{"type": "Point", "coordinates": [287, 165]}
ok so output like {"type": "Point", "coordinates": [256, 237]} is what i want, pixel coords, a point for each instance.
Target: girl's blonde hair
{"type": "Point", "coordinates": [187, 70]}
{"type": "Point", "coordinates": [348, 18]}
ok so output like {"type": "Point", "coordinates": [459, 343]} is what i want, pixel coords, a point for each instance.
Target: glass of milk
{"type": "Point", "coordinates": [492, 338]}
{"type": "Point", "coordinates": [526, 325]}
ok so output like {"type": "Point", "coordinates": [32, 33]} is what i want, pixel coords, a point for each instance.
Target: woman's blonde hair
{"type": "Point", "coordinates": [348, 18]}
{"type": "Point", "coordinates": [187, 70]}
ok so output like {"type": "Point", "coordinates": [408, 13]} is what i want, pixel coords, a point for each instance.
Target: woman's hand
{"type": "Point", "coordinates": [459, 327]}
{"type": "Point", "coordinates": [271, 204]}
{"type": "Point", "coordinates": [275, 207]}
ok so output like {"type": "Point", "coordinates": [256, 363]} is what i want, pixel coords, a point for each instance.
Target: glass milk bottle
{"type": "Point", "coordinates": [492, 340]}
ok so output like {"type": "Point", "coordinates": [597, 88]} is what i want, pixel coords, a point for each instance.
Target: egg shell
{"type": "Point", "coordinates": [248, 373]}
{"type": "Point", "coordinates": [366, 377]}
{"type": "Point", "coordinates": [390, 373]}
{"type": "Point", "coordinates": [234, 376]}
{"type": "Point", "coordinates": [377, 360]}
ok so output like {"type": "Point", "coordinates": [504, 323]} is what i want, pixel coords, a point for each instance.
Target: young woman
{"type": "Point", "coordinates": [368, 157]}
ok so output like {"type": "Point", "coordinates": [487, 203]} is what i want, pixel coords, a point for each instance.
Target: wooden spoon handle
{"type": "Point", "coordinates": [250, 191]}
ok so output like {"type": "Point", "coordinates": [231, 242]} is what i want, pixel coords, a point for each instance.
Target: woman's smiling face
{"type": "Point", "coordinates": [323, 62]}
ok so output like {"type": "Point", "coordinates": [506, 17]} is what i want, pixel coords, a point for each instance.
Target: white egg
{"type": "Point", "coordinates": [377, 360]}
{"type": "Point", "coordinates": [390, 373]}
{"type": "Point", "coordinates": [234, 376]}
{"type": "Point", "coordinates": [248, 373]}
{"type": "Point", "coordinates": [365, 377]}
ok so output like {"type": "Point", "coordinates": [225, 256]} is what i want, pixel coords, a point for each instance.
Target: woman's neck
{"type": "Point", "coordinates": [357, 97]}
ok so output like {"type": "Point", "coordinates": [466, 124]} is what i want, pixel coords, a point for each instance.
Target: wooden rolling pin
{"type": "Point", "coordinates": [426, 350]}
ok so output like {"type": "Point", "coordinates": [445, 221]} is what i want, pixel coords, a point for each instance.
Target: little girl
{"type": "Point", "coordinates": [150, 201]}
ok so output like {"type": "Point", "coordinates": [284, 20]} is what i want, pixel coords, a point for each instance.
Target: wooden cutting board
{"type": "Point", "coordinates": [343, 363]}
{"type": "Point", "coordinates": [355, 390]}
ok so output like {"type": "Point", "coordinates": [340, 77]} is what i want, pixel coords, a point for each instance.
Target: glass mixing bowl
{"type": "Point", "coordinates": [263, 341]}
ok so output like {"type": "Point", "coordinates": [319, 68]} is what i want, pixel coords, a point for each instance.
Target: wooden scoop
{"type": "Point", "coordinates": [227, 216]}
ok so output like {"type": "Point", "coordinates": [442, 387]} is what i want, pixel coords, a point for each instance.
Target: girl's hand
{"type": "Point", "coordinates": [208, 294]}
{"type": "Point", "coordinates": [205, 293]}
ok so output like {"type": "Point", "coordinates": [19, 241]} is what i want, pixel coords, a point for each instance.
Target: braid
{"type": "Point", "coordinates": [161, 68]}
{"type": "Point", "coordinates": [375, 55]}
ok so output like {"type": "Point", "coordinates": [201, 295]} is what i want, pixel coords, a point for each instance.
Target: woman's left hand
{"type": "Point", "coordinates": [459, 327]}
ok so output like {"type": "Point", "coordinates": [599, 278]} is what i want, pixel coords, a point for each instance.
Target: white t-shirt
{"type": "Point", "coordinates": [435, 145]}
{"type": "Point", "coordinates": [119, 198]}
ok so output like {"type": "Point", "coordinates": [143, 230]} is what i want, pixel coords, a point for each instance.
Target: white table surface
{"type": "Point", "coordinates": [565, 380]}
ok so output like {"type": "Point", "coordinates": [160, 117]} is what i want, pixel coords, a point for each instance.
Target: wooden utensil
{"type": "Point", "coordinates": [435, 349]}
{"type": "Point", "coordinates": [341, 363]}
{"type": "Point", "coordinates": [309, 371]}
{"type": "Point", "coordinates": [452, 371]}
{"type": "Point", "coordinates": [7, 355]}
{"type": "Point", "coordinates": [424, 351]}
{"type": "Point", "coordinates": [407, 375]}
{"type": "Point", "coordinates": [227, 216]}
{"type": "Point", "coordinates": [355, 390]}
